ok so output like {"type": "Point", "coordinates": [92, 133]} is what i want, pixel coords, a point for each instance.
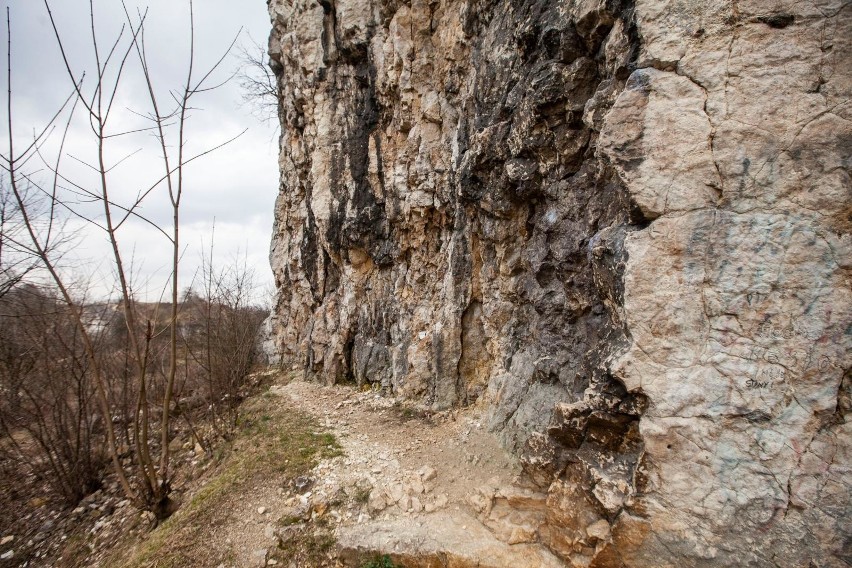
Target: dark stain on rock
{"type": "Point", "coordinates": [777, 21]}
{"type": "Point", "coordinates": [547, 217]}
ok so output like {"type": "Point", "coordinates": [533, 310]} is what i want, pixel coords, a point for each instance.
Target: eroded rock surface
{"type": "Point", "coordinates": [621, 225]}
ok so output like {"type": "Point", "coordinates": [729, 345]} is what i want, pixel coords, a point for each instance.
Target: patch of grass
{"type": "Point", "coordinates": [381, 562]}
{"type": "Point", "coordinates": [406, 412]}
{"type": "Point", "coordinates": [271, 442]}
{"type": "Point", "coordinates": [74, 550]}
{"type": "Point", "coordinates": [362, 495]}
{"type": "Point", "coordinates": [307, 548]}
{"type": "Point", "coordinates": [290, 520]}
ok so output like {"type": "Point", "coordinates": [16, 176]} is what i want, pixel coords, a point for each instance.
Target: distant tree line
{"type": "Point", "coordinates": [49, 423]}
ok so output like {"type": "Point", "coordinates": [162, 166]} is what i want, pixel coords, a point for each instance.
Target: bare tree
{"type": "Point", "coordinates": [13, 265]}
{"type": "Point", "coordinates": [148, 482]}
{"type": "Point", "coordinates": [258, 81]}
{"type": "Point", "coordinates": [17, 258]}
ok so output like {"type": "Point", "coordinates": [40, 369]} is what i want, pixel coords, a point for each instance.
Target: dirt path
{"type": "Point", "coordinates": [330, 476]}
{"type": "Point", "coordinates": [387, 445]}
{"type": "Point", "coordinates": [429, 485]}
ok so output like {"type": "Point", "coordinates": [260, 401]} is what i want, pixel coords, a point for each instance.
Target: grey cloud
{"type": "Point", "coordinates": [237, 185]}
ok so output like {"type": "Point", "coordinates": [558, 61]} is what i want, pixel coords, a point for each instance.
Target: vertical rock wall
{"type": "Point", "coordinates": [623, 225]}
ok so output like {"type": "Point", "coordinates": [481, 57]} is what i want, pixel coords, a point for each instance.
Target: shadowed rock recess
{"type": "Point", "coordinates": [623, 226]}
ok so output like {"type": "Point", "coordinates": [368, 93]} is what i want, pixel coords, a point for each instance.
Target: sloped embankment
{"type": "Point", "coordinates": [229, 517]}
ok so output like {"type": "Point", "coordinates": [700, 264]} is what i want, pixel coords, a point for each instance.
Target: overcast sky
{"type": "Point", "coordinates": [236, 185]}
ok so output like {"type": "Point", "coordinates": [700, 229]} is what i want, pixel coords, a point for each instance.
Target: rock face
{"type": "Point", "coordinates": [623, 225]}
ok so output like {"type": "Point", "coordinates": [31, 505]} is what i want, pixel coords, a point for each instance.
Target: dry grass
{"type": "Point", "coordinates": [272, 442]}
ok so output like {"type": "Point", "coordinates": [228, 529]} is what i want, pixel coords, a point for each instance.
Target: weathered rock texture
{"type": "Point", "coordinates": [624, 225]}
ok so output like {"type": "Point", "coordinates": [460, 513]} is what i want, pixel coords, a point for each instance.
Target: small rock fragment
{"type": "Point", "coordinates": [481, 500]}
{"type": "Point", "coordinates": [6, 540]}
{"type": "Point", "coordinates": [377, 501]}
{"type": "Point", "coordinates": [269, 532]}
{"type": "Point", "coordinates": [302, 483]}
{"type": "Point", "coordinates": [522, 535]}
{"type": "Point", "coordinates": [441, 502]}
{"type": "Point", "coordinates": [417, 487]}
{"type": "Point", "coordinates": [599, 530]}
{"type": "Point", "coordinates": [427, 473]}
{"type": "Point", "coordinates": [261, 510]}
{"type": "Point", "coordinates": [259, 557]}
{"type": "Point", "coordinates": [320, 508]}
{"type": "Point", "coordinates": [397, 492]}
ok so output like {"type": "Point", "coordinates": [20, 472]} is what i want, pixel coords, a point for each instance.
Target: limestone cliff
{"type": "Point", "coordinates": [622, 225]}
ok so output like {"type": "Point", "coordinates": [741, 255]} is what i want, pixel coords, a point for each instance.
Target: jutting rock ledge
{"type": "Point", "coordinates": [623, 226]}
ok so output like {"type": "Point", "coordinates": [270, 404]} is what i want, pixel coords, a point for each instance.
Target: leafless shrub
{"type": "Point", "coordinates": [258, 82]}
{"type": "Point", "coordinates": [47, 412]}
{"type": "Point", "coordinates": [220, 327]}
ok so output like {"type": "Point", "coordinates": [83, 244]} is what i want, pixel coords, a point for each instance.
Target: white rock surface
{"type": "Point", "coordinates": [740, 309]}
{"type": "Point", "coordinates": [448, 539]}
